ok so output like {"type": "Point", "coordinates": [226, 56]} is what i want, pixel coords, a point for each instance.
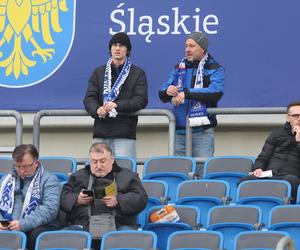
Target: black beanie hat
{"type": "Point", "coordinates": [121, 38]}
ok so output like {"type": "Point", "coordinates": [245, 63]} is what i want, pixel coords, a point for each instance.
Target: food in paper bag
{"type": "Point", "coordinates": [165, 214]}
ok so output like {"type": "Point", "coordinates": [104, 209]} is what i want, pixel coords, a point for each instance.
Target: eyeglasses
{"type": "Point", "coordinates": [295, 116]}
{"type": "Point", "coordinates": [24, 166]}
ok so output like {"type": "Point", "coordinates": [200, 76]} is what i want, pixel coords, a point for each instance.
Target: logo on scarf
{"type": "Point", "coordinates": [197, 106]}
{"type": "Point", "coordinates": [6, 202]}
{"type": "Point", "coordinates": [31, 207]}
{"type": "Point", "coordinates": [35, 39]}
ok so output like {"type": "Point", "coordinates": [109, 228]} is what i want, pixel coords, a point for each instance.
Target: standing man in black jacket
{"type": "Point", "coordinates": [115, 89]}
{"type": "Point", "coordinates": [281, 152]}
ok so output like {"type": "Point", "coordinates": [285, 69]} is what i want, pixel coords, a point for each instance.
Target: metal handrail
{"type": "Point", "coordinates": [230, 111]}
{"type": "Point", "coordinates": [19, 123]}
{"type": "Point", "coordinates": [285, 243]}
{"type": "Point", "coordinates": [76, 112]}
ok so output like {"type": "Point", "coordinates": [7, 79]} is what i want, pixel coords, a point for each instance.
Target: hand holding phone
{"type": "Point", "coordinates": [4, 222]}
{"type": "Point", "coordinates": [99, 193]}
{"type": "Point", "coordinates": [88, 192]}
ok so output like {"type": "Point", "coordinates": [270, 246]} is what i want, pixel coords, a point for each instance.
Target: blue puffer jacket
{"type": "Point", "coordinates": [47, 211]}
{"type": "Point", "coordinates": [210, 94]}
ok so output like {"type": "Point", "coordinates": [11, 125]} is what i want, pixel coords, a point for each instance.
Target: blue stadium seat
{"type": "Point", "coordinates": [61, 166]}
{"type": "Point", "coordinates": [264, 193]}
{"type": "Point", "coordinates": [6, 164]}
{"type": "Point", "coordinates": [228, 168]}
{"type": "Point", "coordinates": [127, 162]}
{"type": "Point", "coordinates": [63, 239]}
{"type": "Point", "coordinates": [286, 218]}
{"type": "Point", "coordinates": [189, 220]}
{"type": "Point", "coordinates": [129, 239]}
{"type": "Point", "coordinates": [171, 169]}
{"type": "Point", "coordinates": [203, 194]}
{"type": "Point", "coordinates": [195, 240]}
{"type": "Point", "coordinates": [298, 195]}
{"type": "Point", "coordinates": [157, 192]}
{"type": "Point", "coordinates": [233, 219]}
{"type": "Point", "coordinates": [12, 240]}
{"type": "Point", "coordinates": [258, 240]}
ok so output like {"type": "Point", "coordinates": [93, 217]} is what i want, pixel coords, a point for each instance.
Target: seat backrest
{"type": "Point", "coordinates": [298, 195]}
{"type": "Point", "coordinates": [189, 215]}
{"type": "Point", "coordinates": [258, 240]}
{"type": "Point", "coordinates": [284, 214]}
{"type": "Point", "coordinates": [155, 188]}
{"type": "Point", "coordinates": [195, 240]}
{"type": "Point", "coordinates": [63, 239]}
{"type": "Point", "coordinates": [6, 164]}
{"type": "Point", "coordinates": [59, 164]}
{"type": "Point", "coordinates": [129, 239]}
{"type": "Point", "coordinates": [12, 240]}
{"type": "Point", "coordinates": [127, 162]}
{"type": "Point", "coordinates": [175, 164]}
{"type": "Point", "coordinates": [209, 188]}
{"type": "Point", "coordinates": [242, 164]}
{"type": "Point", "coordinates": [270, 188]}
{"type": "Point", "coordinates": [235, 214]}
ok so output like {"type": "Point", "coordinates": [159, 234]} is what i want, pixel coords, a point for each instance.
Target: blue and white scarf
{"type": "Point", "coordinates": [197, 109]}
{"type": "Point", "coordinates": [32, 197]}
{"type": "Point", "coordinates": [111, 93]}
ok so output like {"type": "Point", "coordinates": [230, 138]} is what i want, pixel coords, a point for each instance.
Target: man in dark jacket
{"type": "Point", "coordinates": [115, 89]}
{"type": "Point", "coordinates": [281, 152]}
{"type": "Point", "coordinates": [130, 197]}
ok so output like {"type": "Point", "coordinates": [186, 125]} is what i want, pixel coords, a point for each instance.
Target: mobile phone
{"type": "Point", "coordinates": [4, 222]}
{"type": "Point", "coordinates": [89, 192]}
{"type": "Point", "coordinates": [99, 193]}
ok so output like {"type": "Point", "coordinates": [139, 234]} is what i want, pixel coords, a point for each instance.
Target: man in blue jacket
{"type": "Point", "coordinates": [195, 84]}
{"type": "Point", "coordinates": [29, 195]}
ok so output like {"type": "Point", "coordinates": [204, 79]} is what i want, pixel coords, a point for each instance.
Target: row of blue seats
{"type": "Point", "coordinates": [173, 169]}
{"type": "Point", "coordinates": [138, 240]}
{"type": "Point", "coordinates": [206, 194]}
{"type": "Point", "coordinates": [229, 220]}
{"type": "Point", "coordinates": [62, 166]}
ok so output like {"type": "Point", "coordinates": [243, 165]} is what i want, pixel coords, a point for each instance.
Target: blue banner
{"type": "Point", "coordinates": [48, 49]}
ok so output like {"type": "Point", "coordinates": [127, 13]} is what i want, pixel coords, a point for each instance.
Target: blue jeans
{"type": "Point", "coordinates": [120, 146]}
{"type": "Point", "coordinates": [203, 145]}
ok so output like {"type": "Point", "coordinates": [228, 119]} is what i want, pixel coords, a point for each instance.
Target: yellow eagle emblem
{"type": "Point", "coordinates": [18, 20]}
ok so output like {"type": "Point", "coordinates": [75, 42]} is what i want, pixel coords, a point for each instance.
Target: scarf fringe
{"type": "Point", "coordinates": [199, 121]}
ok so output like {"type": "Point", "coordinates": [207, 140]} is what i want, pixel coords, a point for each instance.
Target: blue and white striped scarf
{"type": "Point", "coordinates": [32, 197]}
{"type": "Point", "coordinates": [111, 93]}
{"type": "Point", "coordinates": [197, 109]}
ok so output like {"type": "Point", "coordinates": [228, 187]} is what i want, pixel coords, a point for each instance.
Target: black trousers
{"type": "Point", "coordinates": [292, 179]}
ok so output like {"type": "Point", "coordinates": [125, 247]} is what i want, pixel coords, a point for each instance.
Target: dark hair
{"type": "Point", "coordinates": [292, 104]}
{"type": "Point", "coordinates": [99, 147]}
{"type": "Point", "coordinates": [23, 149]}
